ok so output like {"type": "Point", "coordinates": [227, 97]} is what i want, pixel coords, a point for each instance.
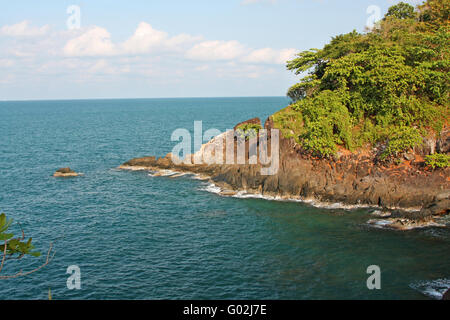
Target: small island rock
{"type": "Point", "coordinates": [64, 173]}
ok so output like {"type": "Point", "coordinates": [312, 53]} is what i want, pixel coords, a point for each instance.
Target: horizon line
{"type": "Point", "coordinates": [147, 98]}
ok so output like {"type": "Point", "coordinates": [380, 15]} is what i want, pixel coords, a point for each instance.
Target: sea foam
{"type": "Point", "coordinates": [213, 188]}
{"type": "Point", "coordinates": [434, 289]}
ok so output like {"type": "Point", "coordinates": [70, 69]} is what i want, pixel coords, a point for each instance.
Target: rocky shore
{"type": "Point", "coordinates": [408, 191]}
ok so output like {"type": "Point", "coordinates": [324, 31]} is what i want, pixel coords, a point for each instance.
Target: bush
{"type": "Point", "coordinates": [438, 160]}
{"type": "Point", "coordinates": [403, 139]}
{"type": "Point", "coordinates": [289, 122]}
{"type": "Point", "coordinates": [248, 130]}
{"type": "Point", "coordinates": [326, 123]}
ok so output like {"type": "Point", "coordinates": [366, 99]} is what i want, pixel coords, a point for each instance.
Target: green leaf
{"type": "Point", "coordinates": [6, 236]}
{"type": "Point", "coordinates": [35, 254]}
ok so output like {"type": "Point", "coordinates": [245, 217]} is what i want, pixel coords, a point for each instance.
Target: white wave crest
{"type": "Point", "coordinates": [434, 289]}
{"type": "Point", "coordinates": [379, 223]}
{"type": "Point", "coordinates": [213, 188]}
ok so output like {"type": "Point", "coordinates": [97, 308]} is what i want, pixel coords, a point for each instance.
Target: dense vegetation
{"type": "Point", "coordinates": [248, 130]}
{"type": "Point", "coordinates": [438, 160]}
{"type": "Point", "coordinates": [388, 87]}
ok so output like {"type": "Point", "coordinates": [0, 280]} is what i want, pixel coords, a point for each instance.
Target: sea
{"type": "Point", "coordinates": [135, 236]}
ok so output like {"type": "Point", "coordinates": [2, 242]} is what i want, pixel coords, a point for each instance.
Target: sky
{"type": "Point", "coordinates": [58, 49]}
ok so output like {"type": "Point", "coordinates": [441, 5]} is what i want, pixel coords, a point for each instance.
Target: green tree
{"type": "Point", "coordinates": [435, 13]}
{"type": "Point", "coordinates": [365, 88]}
{"type": "Point", "coordinates": [401, 11]}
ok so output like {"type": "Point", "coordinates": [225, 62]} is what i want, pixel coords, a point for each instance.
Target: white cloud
{"type": "Point", "coordinates": [20, 53]}
{"type": "Point", "coordinates": [7, 78]}
{"type": "Point", "coordinates": [233, 70]}
{"type": "Point", "coordinates": [6, 63]}
{"type": "Point", "coordinates": [94, 42]}
{"type": "Point", "coordinates": [104, 67]}
{"type": "Point", "coordinates": [202, 68]}
{"type": "Point", "coordinates": [149, 54]}
{"type": "Point", "coordinates": [285, 55]}
{"type": "Point", "coordinates": [23, 29]}
{"type": "Point", "coordinates": [144, 39]}
{"type": "Point", "coordinates": [60, 66]}
{"type": "Point", "coordinates": [269, 56]}
{"type": "Point", "coordinates": [216, 50]}
{"type": "Point", "coordinates": [182, 39]}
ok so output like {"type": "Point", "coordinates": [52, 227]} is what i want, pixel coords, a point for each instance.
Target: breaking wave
{"type": "Point", "coordinates": [213, 188]}
{"type": "Point", "coordinates": [434, 289]}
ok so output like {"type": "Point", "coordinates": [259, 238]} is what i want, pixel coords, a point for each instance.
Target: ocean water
{"type": "Point", "coordinates": [140, 237]}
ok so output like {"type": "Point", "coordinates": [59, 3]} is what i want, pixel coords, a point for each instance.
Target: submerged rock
{"type": "Point", "coordinates": [64, 173]}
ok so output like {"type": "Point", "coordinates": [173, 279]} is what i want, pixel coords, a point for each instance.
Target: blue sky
{"type": "Point", "coordinates": [138, 49]}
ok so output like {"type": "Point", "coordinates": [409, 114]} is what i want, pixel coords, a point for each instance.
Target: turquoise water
{"type": "Point", "coordinates": [141, 237]}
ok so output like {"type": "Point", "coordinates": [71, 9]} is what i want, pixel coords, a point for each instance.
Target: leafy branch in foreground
{"type": "Point", "coordinates": [15, 248]}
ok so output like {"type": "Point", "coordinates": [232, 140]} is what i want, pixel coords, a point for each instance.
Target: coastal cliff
{"type": "Point", "coordinates": [409, 189]}
{"type": "Point", "coordinates": [368, 125]}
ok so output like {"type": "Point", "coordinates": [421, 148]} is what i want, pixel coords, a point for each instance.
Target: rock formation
{"type": "Point", "coordinates": [65, 173]}
{"type": "Point", "coordinates": [409, 189]}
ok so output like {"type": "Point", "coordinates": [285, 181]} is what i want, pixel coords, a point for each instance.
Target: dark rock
{"type": "Point", "coordinates": [354, 178]}
{"type": "Point", "coordinates": [65, 170]}
{"type": "Point", "coordinates": [446, 295]}
{"type": "Point", "coordinates": [443, 144]}
{"type": "Point", "coordinates": [427, 147]}
{"type": "Point", "coordinates": [438, 207]}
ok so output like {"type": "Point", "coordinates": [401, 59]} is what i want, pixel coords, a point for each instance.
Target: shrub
{"type": "Point", "coordinates": [248, 130]}
{"type": "Point", "coordinates": [438, 160]}
{"type": "Point", "coordinates": [326, 123]}
{"type": "Point", "coordinates": [402, 140]}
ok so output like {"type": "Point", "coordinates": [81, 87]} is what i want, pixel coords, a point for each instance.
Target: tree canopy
{"type": "Point", "coordinates": [401, 11]}
{"type": "Point", "coordinates": [389, 85]}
